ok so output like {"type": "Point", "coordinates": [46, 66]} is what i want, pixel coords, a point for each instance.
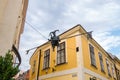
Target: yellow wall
{"type": "Point", "coordinates": [87, 59]}
{"type": "Point", "coordinates": [71, 61]}
{"type": "Point", "coordinates": [64, 77]}
{"type": "Point", "coordinates": [35, 58]}
{"type": "Point", "coordinates": [117, 62]}
{"type": "Point", "coordinates": [72, 58]}
{"type": "Point", "coordinates": [88, 76]}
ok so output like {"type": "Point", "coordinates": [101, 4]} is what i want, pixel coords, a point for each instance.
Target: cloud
{"type": "Point", "coordinates": [108, 41]}
{"type": "Point", "coordinates": [100, 16]}
{"type": "Point", "coordinates": [118, 55]}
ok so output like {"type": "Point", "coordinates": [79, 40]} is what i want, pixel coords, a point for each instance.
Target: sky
{"type": "Point", "coordinates": [100, 16]}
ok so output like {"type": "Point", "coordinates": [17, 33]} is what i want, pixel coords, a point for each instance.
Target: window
{"type": "Point", "coordinates": [101, 61]}
{"type": "Point", "coordinates": [108, 67]}
{"type": "Point", "coordinates": [61, 58]}
{"type": "Point", "coordinates": [77, 49]}
{"type": "Point", "coordinates": [92, 55]}
{"type": "Point", "coordinates": [118, 74]}
{"type": "Point", "coordinates": [46, 59]}
{"type": "Point", "coordinates": [113, 70]}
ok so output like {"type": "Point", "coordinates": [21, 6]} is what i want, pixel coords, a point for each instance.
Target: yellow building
{"type": "Point", "coordinates": [12, 19]}
{"type": "Point", "coordinates": [117, 67]}
{"type": "Point", "coordinates": [78, 57]}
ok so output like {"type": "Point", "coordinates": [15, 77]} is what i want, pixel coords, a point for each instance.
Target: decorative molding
{"type": "Point", "coordinates": [79, 57]}
{"type": "Point", "coordinates": [87, 71]}
{"type": "Point", "coordinates": [60, 73]}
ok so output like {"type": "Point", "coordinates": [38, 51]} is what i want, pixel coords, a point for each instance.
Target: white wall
{"type": "Point", "coordinates": [9, 12]}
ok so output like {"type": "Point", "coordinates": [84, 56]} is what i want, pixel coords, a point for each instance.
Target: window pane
{"type": "Point", "coordinates": [46, 59]}
{"type": "Point", "coordinates": [58, 60]}
{"type": "Point", "coordinates": [62, 46]}
{"type": "Point", "coordinates": [108, 67]}
{"type": "Point", "coordinates": [62, 59]}
{"type": "Point", "coordinates": [58, 48]}
{"type": "Point", "coordinates": [92, 55]}
{"type": "Point", "coordinates": [58, 55]}
{"type": "Point", "coordinates": [101, 61]}
{"type": "Point", "coordinates": [61, 53]}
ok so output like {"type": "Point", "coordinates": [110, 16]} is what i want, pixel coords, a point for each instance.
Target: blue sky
{"type": "Point", "coordinates": [100, 16]}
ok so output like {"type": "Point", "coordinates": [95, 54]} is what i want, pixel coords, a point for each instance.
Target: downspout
{"type": "Point", "coordinates": [14, 49]}
{"type": "Point", "coordinates": [38, 65]}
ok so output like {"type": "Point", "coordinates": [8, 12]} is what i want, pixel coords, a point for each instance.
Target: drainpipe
{"type": "Point", "coordinates": [39, 65]}
{"type": "Point", "coordinates": [15, 50]}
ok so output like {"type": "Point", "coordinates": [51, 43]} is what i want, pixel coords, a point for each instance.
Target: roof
{"type": "Point", "coordinates": [80, 27]}
{"type": "Point", "coordinates": [58, 35]}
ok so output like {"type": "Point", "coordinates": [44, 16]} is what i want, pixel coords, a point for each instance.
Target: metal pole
{"type": "Point", "coordinates": [38, 65]}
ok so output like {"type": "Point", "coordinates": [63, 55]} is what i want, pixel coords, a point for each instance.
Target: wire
{"type": "Point", "coordinates": [62, 39]}
{"type": "Point", "coordinates": [36, 30]}
{"type": "Point", "coordinates": [89, 36]}
{"type": "Point", "coordinates": [27, 51]}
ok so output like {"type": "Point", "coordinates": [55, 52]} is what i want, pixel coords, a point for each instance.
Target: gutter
{"type": "Point", "coordinates": [14, 49]}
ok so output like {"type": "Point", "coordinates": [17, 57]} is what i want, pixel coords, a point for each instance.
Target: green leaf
{"type": "Point", "coordinates": [7, 71]}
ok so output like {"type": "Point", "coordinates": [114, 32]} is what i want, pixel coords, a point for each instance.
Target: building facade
{"type": "Point", "coordinates": [78, 57]}
{"type": "Point", "coordinates": [117, 67]}
{"type": "Point", "coordinates": [12, 19]}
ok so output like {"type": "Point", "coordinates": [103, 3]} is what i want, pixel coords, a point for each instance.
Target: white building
{"type": "Point", "coordinates": [12, 19]}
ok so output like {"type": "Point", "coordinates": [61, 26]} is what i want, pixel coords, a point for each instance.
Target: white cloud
{"type": "Point", "coordinates": [118, 55]}
{"type": "Point", "coordinates": [108, 40]}
{"type": "Point", "coordinates": [101, 16]}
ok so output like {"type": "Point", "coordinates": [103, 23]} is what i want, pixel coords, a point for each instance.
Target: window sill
{"type": "Point", "coordinates": [94, 66]}
{"type": "Point", "coordinates": [109, 75]}
{"type": "Point", "coordinates": [46, 68]}
{"type": "Point", "coordinates": [61, 64]}
{"type": "Point", "coordinates": [103, 71]}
